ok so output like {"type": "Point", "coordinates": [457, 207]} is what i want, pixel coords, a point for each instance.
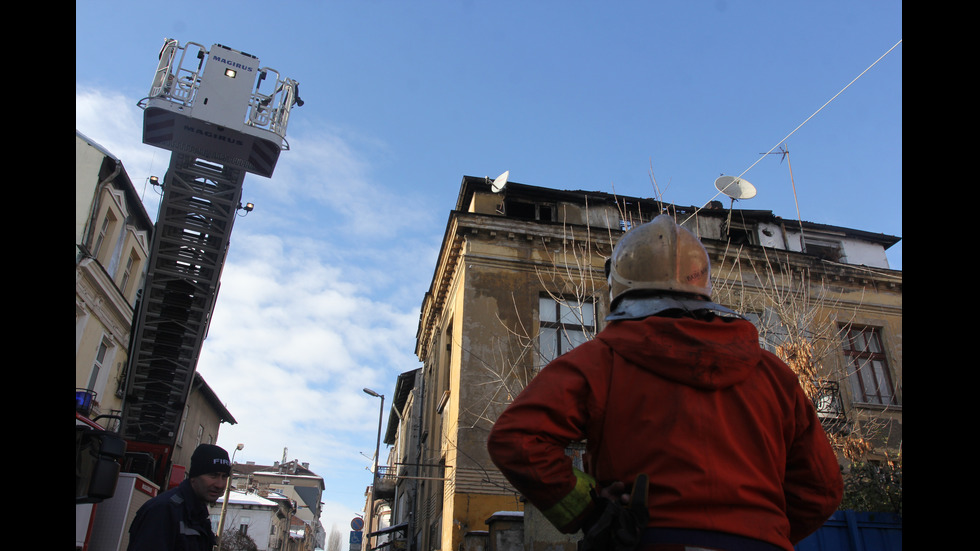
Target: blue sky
{"type": "Point", "coordinates": [321, 291]}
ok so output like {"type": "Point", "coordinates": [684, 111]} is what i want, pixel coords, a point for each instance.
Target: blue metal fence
{"type": "Point", "coordinates": [856, 531]}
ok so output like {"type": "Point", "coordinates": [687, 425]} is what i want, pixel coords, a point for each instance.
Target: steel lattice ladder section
{"type": "Point", "coordinates": [190, 242]}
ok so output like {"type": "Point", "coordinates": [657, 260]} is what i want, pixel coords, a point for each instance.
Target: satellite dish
{"type": "Point", "coordinates": [498, 184]}
{"type": "Point", "coordinates": [736, 188]}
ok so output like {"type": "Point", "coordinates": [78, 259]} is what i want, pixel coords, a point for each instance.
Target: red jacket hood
{"type": "Point", "coordinates": [703, 354]}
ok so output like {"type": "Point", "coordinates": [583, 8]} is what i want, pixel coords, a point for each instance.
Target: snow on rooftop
{"type": "Point", "coordinates": [243, 498]}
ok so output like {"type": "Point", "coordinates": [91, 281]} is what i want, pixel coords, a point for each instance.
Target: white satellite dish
{"type": "Point", "coordinates": [498, 184]}
{"type": "Point", "coordinates": [734, 187]}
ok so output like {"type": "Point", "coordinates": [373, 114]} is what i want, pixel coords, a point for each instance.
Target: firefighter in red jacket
{"type": "Point", "coordinates": [675, 391]}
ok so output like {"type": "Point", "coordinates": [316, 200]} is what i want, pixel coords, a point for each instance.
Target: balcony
{"type": "Point", "coordinates": [830, 408]}
{"type": "Point", "coordinates": [385, 483]}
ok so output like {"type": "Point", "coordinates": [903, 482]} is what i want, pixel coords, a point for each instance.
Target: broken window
{"type": "Point", "coordinates": [826, 250]}
{"type": "Point", "coordinates": [529, 211]}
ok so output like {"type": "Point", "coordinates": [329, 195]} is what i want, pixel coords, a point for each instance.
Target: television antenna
{"type": "Point", "coordinates": [784, 151]}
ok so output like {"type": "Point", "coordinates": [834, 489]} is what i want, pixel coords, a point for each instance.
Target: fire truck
{"type": "Point", "coordinates": [222, 115]}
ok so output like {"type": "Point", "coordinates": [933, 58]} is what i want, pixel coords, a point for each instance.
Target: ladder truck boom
{"type": "Point", "coordinates": [221, 115]}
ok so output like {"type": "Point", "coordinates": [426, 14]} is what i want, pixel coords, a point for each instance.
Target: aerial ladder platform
{"type": "Point", "coordinates": [221, 115]}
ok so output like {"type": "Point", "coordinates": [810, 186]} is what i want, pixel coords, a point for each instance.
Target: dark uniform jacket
{"type": "Point", "coordinates": [176, 520]}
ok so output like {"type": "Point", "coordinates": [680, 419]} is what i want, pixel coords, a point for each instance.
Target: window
{"type": "Point", "coordinates": [183, 420]}
{"type": "Point", "coordinates": [827, 250]}
{"type": "Point", "coordinates": [435, 534]}
{"type": "Point", "coordinates": [742, 233]}
{"type": "Point", "coordinates": [867, 367]}
{"type": "Point", "coordinates": [564, 324]}
{"type": "Point", "coordinates": [445, 374]}
{"type": "Point", "coordinates": [131, 263]}
{"type": "Point", "coordinates": [103, 231]}
{"type": "Point", "coordinates": [100, 362]}
{"type": "Point", "coordinates": [772, 332]}
{"type": "Point", "coordinates": [529, 211]}
{"type": "Point", "coordinates": [102, 249]}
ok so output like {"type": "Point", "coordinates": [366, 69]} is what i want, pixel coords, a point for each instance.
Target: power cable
{"type": "Point", "coordinates": [780, 142]}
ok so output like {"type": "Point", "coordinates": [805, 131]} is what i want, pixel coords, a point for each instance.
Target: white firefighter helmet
{"type": "Point", "coordinates": [659, 256]}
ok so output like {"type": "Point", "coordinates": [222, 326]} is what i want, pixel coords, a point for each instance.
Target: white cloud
{"type": "Point", "coordinates": [113, 121]}
{"type": "Point", "coordinates": [285, 312]}
{"type": "Point", "coordinates": [293, 341]}
{"type": "Point", "coordinates": [330, 177]}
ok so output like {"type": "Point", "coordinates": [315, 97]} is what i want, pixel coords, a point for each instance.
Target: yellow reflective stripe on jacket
{"type": "Point", "coordinates": [573, 504]}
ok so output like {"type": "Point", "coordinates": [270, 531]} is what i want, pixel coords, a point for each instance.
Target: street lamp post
{"type": "Point", "coordinates": [377, 451]}
{"type": "Point", "coordinates": [224, 502]}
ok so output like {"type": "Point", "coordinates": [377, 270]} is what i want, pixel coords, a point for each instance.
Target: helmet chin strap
{"type": "Point", "coordinates": [639, 307]}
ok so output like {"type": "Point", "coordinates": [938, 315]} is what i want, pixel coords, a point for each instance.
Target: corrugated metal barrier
{"type": "Point", "coordinates": [856, 531]}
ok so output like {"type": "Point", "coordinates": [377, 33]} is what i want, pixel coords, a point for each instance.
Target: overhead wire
{"type": "Point", "coordinates": [780, 142]}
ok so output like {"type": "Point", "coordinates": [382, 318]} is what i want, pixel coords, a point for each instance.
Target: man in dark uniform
{"type": "Point", "coordinates": [178, 519]}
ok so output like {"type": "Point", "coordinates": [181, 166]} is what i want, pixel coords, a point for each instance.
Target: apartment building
{"type": "Point", "coordinates": [112, 244]}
